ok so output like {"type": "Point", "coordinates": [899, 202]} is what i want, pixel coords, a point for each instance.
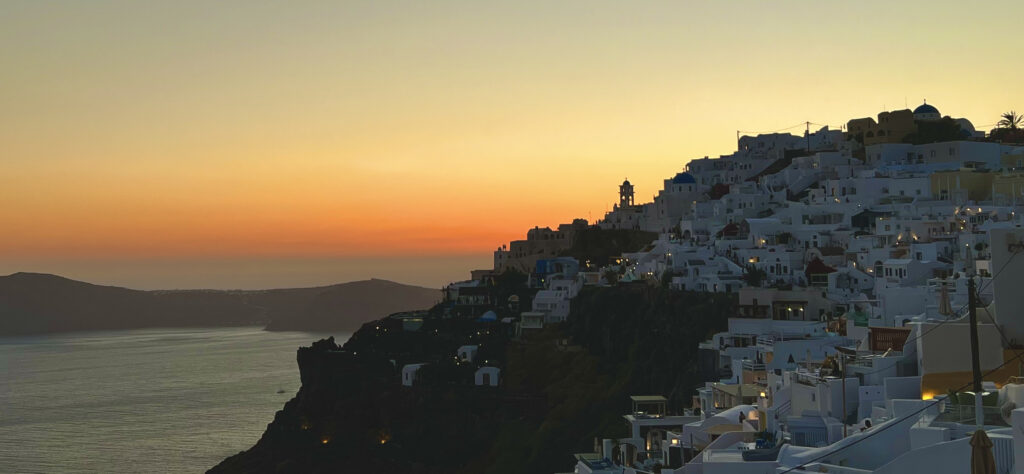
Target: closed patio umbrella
{"type": "Point", "coordinates": [982, 460]}
{"type": "Point", "coordinates": [945, 308]}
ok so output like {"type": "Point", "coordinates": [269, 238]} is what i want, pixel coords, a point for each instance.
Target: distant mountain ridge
{"type": "Point", "coordinates": [34, 303]}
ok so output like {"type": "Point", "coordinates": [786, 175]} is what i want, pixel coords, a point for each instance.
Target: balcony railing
{"type": "Point", "coordinates": [753, 365]}
{"type": "Point", "coordinates": [964, 414]}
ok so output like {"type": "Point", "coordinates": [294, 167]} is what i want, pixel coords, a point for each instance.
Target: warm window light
{"type": "Point", "coordinates": [675, 442]}
{"type": "Point", "coordinates": [927, 396]}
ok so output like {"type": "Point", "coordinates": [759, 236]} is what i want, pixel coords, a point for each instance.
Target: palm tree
{"type": "Point", "coordinates": [1011, 120]}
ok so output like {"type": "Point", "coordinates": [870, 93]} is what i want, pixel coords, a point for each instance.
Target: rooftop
{"type": "Point", "coordinates": [648, 399]}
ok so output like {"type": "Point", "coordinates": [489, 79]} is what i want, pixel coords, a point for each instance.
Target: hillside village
{"type": "Point", "coordinates": [858, 259]}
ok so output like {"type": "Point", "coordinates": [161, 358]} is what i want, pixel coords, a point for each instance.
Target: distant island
{"type": "Point", "coordinates": [36, 303]}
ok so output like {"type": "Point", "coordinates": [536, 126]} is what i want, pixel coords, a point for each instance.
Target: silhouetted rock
{"type": "Point", "coordinates": [32, 303]}
{"type": "Point", "coordinates": [349, 305]}
{"type": "Point", "coordinates": [40, 303]}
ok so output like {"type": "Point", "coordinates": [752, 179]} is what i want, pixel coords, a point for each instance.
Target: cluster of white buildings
{"type": "Point", "coordinates": [851, 350]}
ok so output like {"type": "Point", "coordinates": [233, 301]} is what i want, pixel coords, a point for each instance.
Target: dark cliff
{"type": "Point", "coordinates": [560, 388]}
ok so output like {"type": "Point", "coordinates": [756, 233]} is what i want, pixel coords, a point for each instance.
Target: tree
{"type": "Point", "coordinates": [1011, 120]}
{"type": "Point", "coordinates": [611, 276]}
{"type": "Point", "coordinates": [754, 276]}
{"type": "Point", "coordinates": [935, 131]}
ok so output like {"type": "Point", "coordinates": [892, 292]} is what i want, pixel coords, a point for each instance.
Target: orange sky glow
{"type": "Point", "coordinates": [190, 130]}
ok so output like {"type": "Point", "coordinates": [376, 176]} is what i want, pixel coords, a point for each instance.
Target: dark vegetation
{"type": "Point", "coordinates": [1007, 135]}
{"type": "Point", "coordinates": [599, 246]}
{"type": "Point", "coordinates": [651, 333]}
{"type": "Point", "coordinates": [560, 388]}
{"type": "Point", "coordinates": [935, 131]}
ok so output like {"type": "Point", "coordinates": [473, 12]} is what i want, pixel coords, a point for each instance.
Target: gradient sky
{"type": "Point", "coordinates": [161, 138]}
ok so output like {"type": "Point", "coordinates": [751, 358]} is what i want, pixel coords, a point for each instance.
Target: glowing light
{"type": "Point", "coordinates": [325, 440]}
{"type": "Point", "coordinates": [927, 396]}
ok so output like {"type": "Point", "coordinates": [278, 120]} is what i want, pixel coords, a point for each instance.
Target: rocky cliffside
{"type": "Point", "coordinates": [560, 388]}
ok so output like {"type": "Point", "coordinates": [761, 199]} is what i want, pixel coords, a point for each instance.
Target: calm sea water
{"type": "Point", "coordinates": [153, 400]}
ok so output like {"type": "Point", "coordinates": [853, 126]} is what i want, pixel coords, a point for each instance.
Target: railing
{"type": "Point", "coordinates": [868, 363]}
{"type": "Point", "coordinates": [808, 379]}
{"type": "Point", "coordinates": [783, 408]}
{"type": "Point", "coordinates": [964, 414]}
{"type": "Point", "coordinates": [752, 365]}
{"type": "Point", "coordinates": [1002, 450]}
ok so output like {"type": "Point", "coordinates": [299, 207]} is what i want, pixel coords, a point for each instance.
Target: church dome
{"type": "Point", "coordinates": [684, 178]}
{"type": "Point", "coordinates": [926, 112]}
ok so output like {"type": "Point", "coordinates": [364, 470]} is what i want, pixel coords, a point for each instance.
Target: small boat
{"type": "Point", "coordinates": [280, 390]}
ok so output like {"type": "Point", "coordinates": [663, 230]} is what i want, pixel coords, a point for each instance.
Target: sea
{"type": "Point", "coordinates": [148, 400]}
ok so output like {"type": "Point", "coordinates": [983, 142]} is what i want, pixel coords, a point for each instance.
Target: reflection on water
{"type": "Point", "coordinates": [151, 400]}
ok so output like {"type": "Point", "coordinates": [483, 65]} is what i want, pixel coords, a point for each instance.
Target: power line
{"type": "Point", "coordinates": [907, 417]}
{"type": "Point", "coordinates": [1018, 357]}
{"type": "Point", "coordinates": [773, 131]}
{"type": "Point", "coordinates": [959, 312]}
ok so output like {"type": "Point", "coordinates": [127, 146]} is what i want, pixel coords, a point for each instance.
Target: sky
{"type": "Point", "coordinates": [236, 144]}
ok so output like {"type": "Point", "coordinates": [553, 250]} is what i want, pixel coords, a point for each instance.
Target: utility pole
{"type": "Point", "coordinates": [807, 133]}
{"type": "Point", "coordinates": [843, 353]}
{"type": "Point", "coordinates": [843, 359]}
{"type": "Point", "coordinates": [979, 416]}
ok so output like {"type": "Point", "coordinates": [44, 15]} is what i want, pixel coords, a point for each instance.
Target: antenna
{"type": "Point", "coordinates": [807, 133]}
